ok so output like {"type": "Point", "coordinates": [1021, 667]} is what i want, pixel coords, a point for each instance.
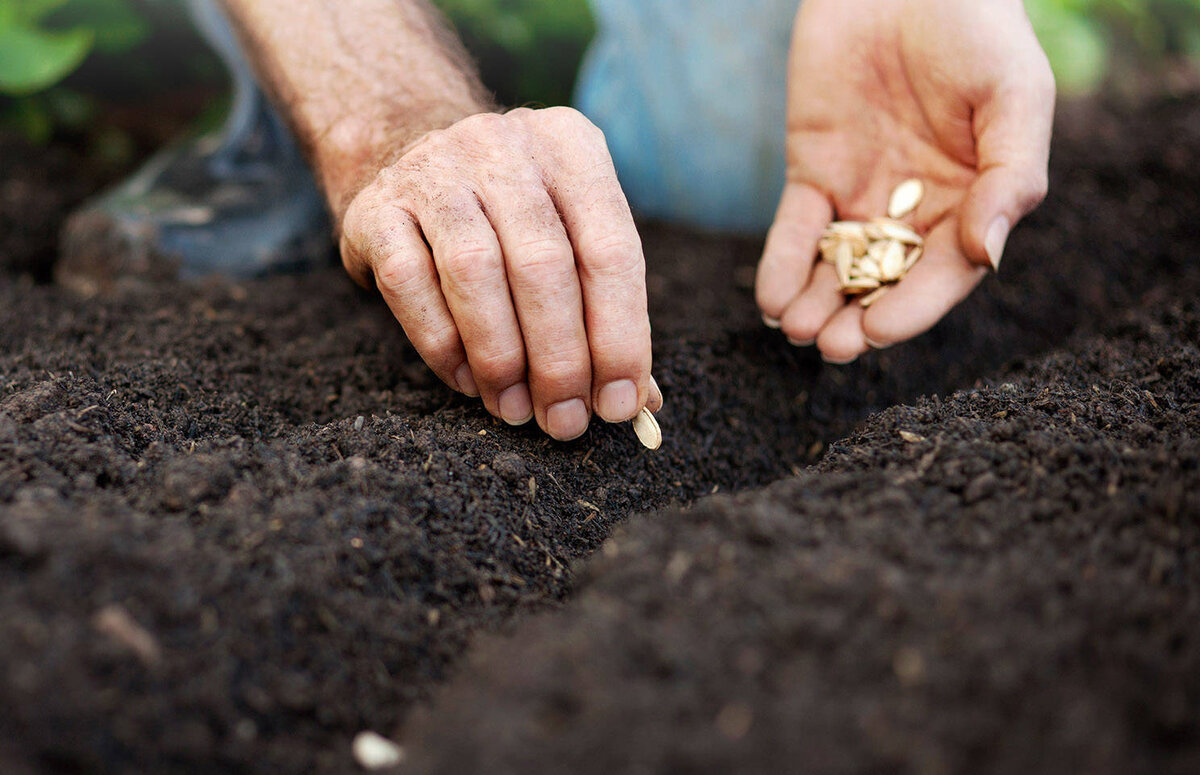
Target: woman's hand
{"type": "Point", "coordinates": [957, 93]}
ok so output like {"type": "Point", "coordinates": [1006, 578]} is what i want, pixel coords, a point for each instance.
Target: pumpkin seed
{"type": "Point", "coordinates": [891, 268]}
{"type": "Point", "coordinates": [647, 429]}
{"type": "Point", "coordinates": [870, 256]}
{"type": "Point", "coordinates": [906, 198]}
{"type": "Point", "coordinates": [895, 230]}
{"type": "Point", "coordinates": [874, 296]}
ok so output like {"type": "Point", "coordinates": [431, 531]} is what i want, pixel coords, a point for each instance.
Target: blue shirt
{"type": "Point", "coordinates": [691, 95]}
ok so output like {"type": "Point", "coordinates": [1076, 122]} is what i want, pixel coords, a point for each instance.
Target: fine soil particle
{"type": "Point", "coordinates": [241, 523]}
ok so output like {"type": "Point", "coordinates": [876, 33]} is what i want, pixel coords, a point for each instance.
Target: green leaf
{"type": "Point", "coordinates": [32, 60]}
{"type": "Point", "coordinates": [117, 25]}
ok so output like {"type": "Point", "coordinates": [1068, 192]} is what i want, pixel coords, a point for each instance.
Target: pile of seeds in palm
{"type": "Point", "coordinates": [869, 257]}
{"type": "Point", "coordinates": [872, 256]}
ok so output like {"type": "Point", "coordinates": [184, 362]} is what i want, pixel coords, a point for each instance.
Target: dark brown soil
{"type": "Point", "coordinates": [308, 531]}
{"type": "Point", "coordinates": [37, 186]}
{"type": "Point", "coordinates": [1010, 586]}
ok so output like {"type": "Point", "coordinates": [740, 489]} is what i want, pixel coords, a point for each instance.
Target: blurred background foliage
{"type": "Point", "coordinates": [96, 68]}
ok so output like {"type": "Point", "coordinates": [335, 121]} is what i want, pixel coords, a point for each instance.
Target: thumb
{"type": "Point", "coordinates": [1013, 149]}
{"type": "Point", "coordinates": [999, 198]}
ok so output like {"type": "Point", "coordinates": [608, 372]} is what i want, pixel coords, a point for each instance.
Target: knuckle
{"type": "Point", "coordinates": [565, 371]}
{"type": "Point", "coordinates": [438, 344]}
{"type": "Point", "coordinates": [498, 365]}
{"type": "Point", "coordinates": [398, 274]}
{"type": "Point", "coordinates": [1039, 186]}
{"type": "Point", "coordinates": [483, 126]}
{"type": "Point", "coordinates": [1033, 188]}
{"type": "Point", "coordinates": [542, 256]}
{"type": "Point", "coordinates": [624, 354]}
{"type": "Point", "coordinates": [353, 265]}
{"type": "Point", "coordinates": [471, 265]}
{"type": "Point", "coordinates": [571, 118]}
{"type": "Point", "coordinates": [616, 255]}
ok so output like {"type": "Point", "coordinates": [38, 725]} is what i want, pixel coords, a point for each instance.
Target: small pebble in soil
{"type": "Point", "coordinates": [375, 752]}
{"type": "Point", "coordinates": [118, 625]}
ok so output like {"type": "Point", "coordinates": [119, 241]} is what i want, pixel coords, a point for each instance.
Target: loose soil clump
{"type": "Point", "coordinates": [240, 524]}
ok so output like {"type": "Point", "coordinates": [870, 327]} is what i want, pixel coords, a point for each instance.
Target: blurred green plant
{"type": "Point", "coordinates": [530, 49]}
{"type": "Point", "coordinates": [527, 50]}
{"type": "Point", "coordinates": [1090, 42]}
{"type": "Point", "coordinates": [56, 55]}
{"type": "Point", "coordinates": [44, 41]}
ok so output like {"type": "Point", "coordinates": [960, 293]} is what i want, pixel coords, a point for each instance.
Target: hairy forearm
{"type": "Point", "coordinates": [359, 80]}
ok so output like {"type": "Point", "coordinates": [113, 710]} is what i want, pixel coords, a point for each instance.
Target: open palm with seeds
{"type": "Point", "coordinates": [955, 93]}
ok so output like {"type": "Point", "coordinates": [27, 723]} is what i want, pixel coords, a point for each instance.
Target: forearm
{"type": "Point", "coordinates": [359, 80]}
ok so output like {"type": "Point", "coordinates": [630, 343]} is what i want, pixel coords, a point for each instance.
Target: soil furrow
{"type": "Point", "coordinates": [266, 479]}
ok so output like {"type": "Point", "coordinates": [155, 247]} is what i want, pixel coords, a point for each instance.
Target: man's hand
{"type": "Point", "coordinates": [502, 243]}
{"type": "Point", "coordinates": [506, 249]}
{"type": "Point", "coordinates": [957, 93]}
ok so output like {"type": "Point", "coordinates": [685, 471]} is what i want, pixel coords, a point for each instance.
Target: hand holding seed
{"type": "Point", "coordinates": [947, 104]}
{"type": "Point", "coordinates": [506, 249]}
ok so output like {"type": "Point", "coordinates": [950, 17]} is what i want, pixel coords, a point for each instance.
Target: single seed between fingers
{"type": "Point", "coordinates": [647, 429]}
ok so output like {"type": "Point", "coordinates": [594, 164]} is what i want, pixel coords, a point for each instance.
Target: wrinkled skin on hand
{"type": "Point", "coordinates": [957, 93]}
{"type": "Point", "coordinates": [506, 249]}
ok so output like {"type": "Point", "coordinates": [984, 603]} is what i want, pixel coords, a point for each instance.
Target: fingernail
{"type": "Point", "coordinates": [771, 322]}
{"type": "Point", "coordinates": [656, 396]}
{"type": "Point", "coordinates": [516, 406]}
{"type": "Point", "coordinates": [568, 420]}
{"type": "Point", "coordinates": [801, 342]}
{"type": "Point", "coordinates": [618, 401]}
{"type": "Point", "coordinates": [997, 237]}
{"type": "Point", "coordinates": [833, 362]}
{"type": "Point", "coordinates": [875, 345]}
{"type": "Point", "coordinates": [466, 381]}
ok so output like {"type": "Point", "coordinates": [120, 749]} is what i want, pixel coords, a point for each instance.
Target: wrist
{"type": "Point", "coordinates": [349, 153]}
{"type": "Point", "coordinates": [369, 79]}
